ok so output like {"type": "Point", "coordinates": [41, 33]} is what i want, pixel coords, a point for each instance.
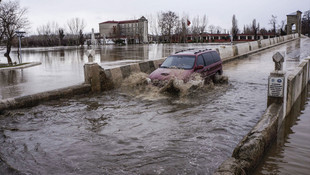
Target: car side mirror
{"type": "Point", "coordinates": [199, 67]}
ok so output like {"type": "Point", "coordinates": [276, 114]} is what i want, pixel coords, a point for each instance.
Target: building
{"type": "Point", "coordinates": [294, 23]}
{"type": "Point", "coordinates": [130, 31]}
{"type": "Point", "coordinates": [207, 37]}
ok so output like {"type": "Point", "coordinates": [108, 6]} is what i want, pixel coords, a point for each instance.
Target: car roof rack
{"type": "Point", "coordinates": [198, 51]}
{"type": "Point", "coordinates": [202, 50]}
{"type": "Point", "coordinates": [184, 50]}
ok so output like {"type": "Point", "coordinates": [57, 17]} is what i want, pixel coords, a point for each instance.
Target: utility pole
{"type": "Point", "coordinates": [20, 34]}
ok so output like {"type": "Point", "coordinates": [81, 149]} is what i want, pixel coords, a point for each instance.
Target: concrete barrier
{"type": "Point", "coordinates": [271, 41]}
{"type": "Point", "coordinates": [251, 149]}
{"type": "Point", "coordinates": [277, 39]}
{"type": "Point", "coordinates": [226, 52]}
{"type": "Point", "coordinates": [285, 37]}
{"type": "Point", "coordinates": [35, 99]}
{"type": "Point", "coordinates": [296, 35]}
{"type": "Point", "coordinates": [248, 153]}
{"type": "Point", "coordinates": [243, 48]}
{"type": "Point", "coordinates": [265, 42]}
{"type": "Point", "coordinates": [296, 83]}
{"type": "Point", "coordinates": [281, 38]}
{"type": "Point", "coordinates": [254, 45]}
{"type": "Point", "coordinates": [158, 62]}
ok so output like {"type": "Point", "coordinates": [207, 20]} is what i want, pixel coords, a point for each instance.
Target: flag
{"type": "Point", "coordinates": [188, 23]}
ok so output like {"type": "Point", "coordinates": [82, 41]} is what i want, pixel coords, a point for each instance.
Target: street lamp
{"type": "Point", "coordinates": [20, 34]}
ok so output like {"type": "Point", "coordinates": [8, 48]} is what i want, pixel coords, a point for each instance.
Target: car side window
{"type": "Point", "coordinates": [200, 61]}
{"type": "Point", "coordinates": [216, 57]}
{"type": "Point", "coordinates": [208, 58]}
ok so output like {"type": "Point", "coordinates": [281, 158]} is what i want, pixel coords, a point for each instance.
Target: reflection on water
{"type": "Point", "coordinates": [63, 66]}
{"type": "Point", "coordinates": [290, 154]}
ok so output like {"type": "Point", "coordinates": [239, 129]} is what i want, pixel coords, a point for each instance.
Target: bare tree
{"type": "Point", "coordinates": [195, 29]}
{"type": "Point", "coordinates": [1, 30]}
{"type": "Point", "coordinates": [61, 35]}
{"type": "Point", "coordinates": [48, 34]}
{"type": "Point", "coordinates": [12, 19]}
{"type": "Point", "coordinates": [263, 31]}
{"type": "Point", "coordinates": [305, 23]}
{"type": "Point", "coordinates": [273, 23]}
{"type": "Point", "coordinates": [81, 38]}
{"type": "Point", "coordinates": [184, 29]}
{"type": "Point", "coordinates": [203, 24]}
{"type": "Point", "coordinates": [247, 29]}
{"type": "Point", "coordinates": [282, 27]}
{"type": "Point", "coordinates": [75, 25]}
{"type": "Point", "coordinates": [211, 28]}
{"type": "Point", "coordinates": [255, 28]}
{"type": "Point", "coordinates": [167, 23]}
{"type": "Point", "coordinates": [153, 26]}
{"type": "Point", "coordinates": [218, 29]}
{"type": "Point", "coordinates": [234, 28]}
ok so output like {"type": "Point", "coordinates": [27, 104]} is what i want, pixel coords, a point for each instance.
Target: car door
{"type": "Point", "coordinates": [217, 63]}
{"type": "Point", "coordinates": [208, 59]}
{"type": "Point", "coordinates": [200, 62]}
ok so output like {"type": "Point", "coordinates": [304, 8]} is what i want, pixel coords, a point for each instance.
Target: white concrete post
{"type": "Point", "coordinates": [92, 76]}
{"type": "Point", "coordinates": [276, 81]}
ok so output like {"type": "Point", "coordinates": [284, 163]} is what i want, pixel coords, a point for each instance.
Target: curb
{"type": "Point", "coordinates": [30, 64]}
{"type": "Point", "coordinates": [35, 99]}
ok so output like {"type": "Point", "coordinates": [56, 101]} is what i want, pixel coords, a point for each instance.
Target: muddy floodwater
{"type": "Point", "coordinates": [63, 66]}
{"type": "Point", "coordinates": [118, 132]}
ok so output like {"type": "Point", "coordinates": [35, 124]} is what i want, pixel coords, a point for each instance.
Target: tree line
{"type": "Point", "coordinates": [13, 19]}
{"type": "Point", "coordinates": [51, 34]}
{"type": "Point", "coordinates": [166, 26]}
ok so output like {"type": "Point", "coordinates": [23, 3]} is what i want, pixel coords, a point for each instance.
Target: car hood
{"type": "Point", "coordinates": [167, 74]}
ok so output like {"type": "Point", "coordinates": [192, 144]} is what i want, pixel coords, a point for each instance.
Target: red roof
{"type": "Point", "coordinates": [128, 21]}
{"type": "Point", "coordinates": [109, 22]}
{"type": "Point", "coordinates": [120, 22]}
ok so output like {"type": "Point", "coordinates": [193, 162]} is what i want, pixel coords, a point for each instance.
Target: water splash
{"type": "Point", "coordinates": [137, 85]}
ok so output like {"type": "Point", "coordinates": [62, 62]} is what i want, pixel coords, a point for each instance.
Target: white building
{"type": "Point", "coordinates": [133, 31]}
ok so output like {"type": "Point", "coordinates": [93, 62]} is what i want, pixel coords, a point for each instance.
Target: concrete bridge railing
{"type": "Point", "coordinates": [232, 52]}
{"type": "Point", "coordinates": [35, 99]}
{"type": "Point", "coordinates": [251, 149]}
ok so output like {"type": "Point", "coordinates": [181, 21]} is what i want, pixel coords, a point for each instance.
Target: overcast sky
{"type": "Point", "coordinates": [219, 12]}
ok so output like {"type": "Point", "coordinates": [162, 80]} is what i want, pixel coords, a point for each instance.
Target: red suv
{"type": "Point", "coordinates": [184, 63]}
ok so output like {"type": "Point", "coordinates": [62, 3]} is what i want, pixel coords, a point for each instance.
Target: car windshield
{"type": "Point", "coordinates": [179, 62]}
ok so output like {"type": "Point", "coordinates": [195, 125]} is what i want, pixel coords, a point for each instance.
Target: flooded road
{"type": "Point", "coordinates": [63, 66]}
{"type": "Point", "coordinates": [117, 133]}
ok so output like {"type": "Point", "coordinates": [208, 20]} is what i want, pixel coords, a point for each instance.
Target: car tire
{"type": "Point", "coordinates": [217, 77]}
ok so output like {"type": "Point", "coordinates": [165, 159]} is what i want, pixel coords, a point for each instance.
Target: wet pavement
{"type": "Point", "coordinates": [119, 133]}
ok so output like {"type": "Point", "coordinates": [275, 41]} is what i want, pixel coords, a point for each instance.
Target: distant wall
{"type": "Point", "coordinates": [228, 53]}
